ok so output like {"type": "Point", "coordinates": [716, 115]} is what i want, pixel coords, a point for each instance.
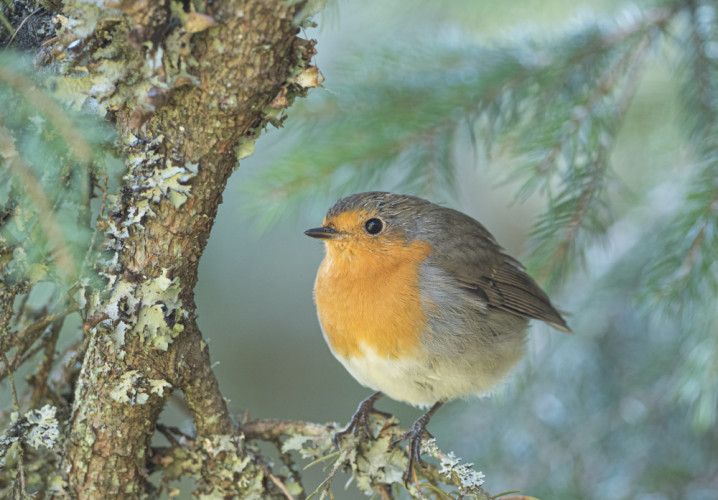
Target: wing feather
{"type": "Point", "coordinates": [482, 268]}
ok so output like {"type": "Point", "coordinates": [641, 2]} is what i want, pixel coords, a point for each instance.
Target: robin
{"type": "Point", "coordinates": [419, 302]}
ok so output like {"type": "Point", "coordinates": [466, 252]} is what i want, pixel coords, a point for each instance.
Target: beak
{"type": "Point", "coordinates": [322, 233]}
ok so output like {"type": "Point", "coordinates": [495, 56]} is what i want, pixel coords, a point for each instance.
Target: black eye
{"type": "Point", "coordinates": [374, 226]}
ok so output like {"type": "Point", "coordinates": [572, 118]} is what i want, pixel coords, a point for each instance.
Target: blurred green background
{"type": "Point", "coordinates": [594, 415]}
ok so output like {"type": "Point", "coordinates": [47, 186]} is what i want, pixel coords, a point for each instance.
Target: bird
{"type": "Point", "coordinates": [420, 303]}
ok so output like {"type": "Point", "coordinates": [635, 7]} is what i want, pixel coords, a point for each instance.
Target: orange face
{"type": "Point", "coordinates": [366, 289]}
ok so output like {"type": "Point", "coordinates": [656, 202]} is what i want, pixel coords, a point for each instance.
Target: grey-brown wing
{"type": "Point", "coordinates": [509, 288]}
{"type": "Point", "coordinates": [481, 267]}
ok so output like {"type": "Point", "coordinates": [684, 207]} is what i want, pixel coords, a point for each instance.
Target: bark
{"type": "Point", "coordinates": [231, 68]}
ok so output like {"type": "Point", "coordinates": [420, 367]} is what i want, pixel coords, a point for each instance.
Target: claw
{"type": "Point", "coordinates": [360, 420]}
{"type": "Point", "coordinates": [415, 437]}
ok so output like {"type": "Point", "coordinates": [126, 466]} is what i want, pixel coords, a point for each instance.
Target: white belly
{"type": "Point", "coordinates": [423, 382]}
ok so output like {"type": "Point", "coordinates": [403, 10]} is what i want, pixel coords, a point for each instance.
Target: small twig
{"type": "Point", "coordinates": [23, 304]}
{"type": "Point", "coordinates": [40, 378]}
{"type": "Point", "coordinates": [326, 485]}
{"type": "Point", "coordinates": [694, 249]}
{"type": "Point", "coordinates": [289, 463]}
{"type": "Point", "coordinates": [14, 35]}
{"type": "Point", "coordinates": [19, 491]}
{"type": "Point", "coordinates": [600, 90]}
{"type": "Point", "coordinates": [26, 338]}
{"type": "Point", "coordinates": [98, 230]}
{"type": "Point", "coordinates": [281, 486]}
{"type": "Point", "coordinates": [385, 492]}
{"type": "Point", "coordinates": [632, 61]}
{"type": "Point", "coordinates": [11, 378]}
{"type": "Point", "coordinates": [93, 321]}
{"type": "Point", "coordinates": [270, 429]}
{"type": "Point", "coordinates": [18, 360]}
{"type": "Point", "coordinates": [36, 328]}
{"type": "Point", "coordinates": [167, 433]}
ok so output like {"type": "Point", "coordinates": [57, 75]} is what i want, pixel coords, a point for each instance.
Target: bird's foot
{"type": "Point", "coordinates": [415, 437]}
{"type": "Point", "coordinates": [359, 422]}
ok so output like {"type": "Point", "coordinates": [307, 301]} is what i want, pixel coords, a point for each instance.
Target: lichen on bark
{"type": "Point", "coordinates": [189, 86]}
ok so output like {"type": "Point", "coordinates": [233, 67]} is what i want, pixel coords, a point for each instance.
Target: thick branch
{"type": "Point", "coordinates": [182, 148]}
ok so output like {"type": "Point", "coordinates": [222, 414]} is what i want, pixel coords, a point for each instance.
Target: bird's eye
{"type": "Point", "coordinates": [374, 226]}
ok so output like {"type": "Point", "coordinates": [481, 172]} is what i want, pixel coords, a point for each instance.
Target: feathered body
{"type": "Point", "coordinates": [428, 309]}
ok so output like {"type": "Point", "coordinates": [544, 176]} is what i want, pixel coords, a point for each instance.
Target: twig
{"type": "Point", "coordinates": [326, 485]}
{"type": "Point", "coordinates": [385, 492]}
{"type": "Point", "coordinates": [26, 338]}
{"type": "Point", "coordinates": [694, 249]}
{"type": "Point", "coordinates": [598, 166]}
{"type": "Point", "coordinates": [14, 34]}
{"type": "Point", "coordinates": [98, 229]}
{"type": "Point", "coordinates": [291, 466]}
{"type": "Point", "coordinates": [11, 378]}
{"type": "Point", "coordinates": [270, 429]}
{"type": "Point", "coordinates": [19, 491]}
{"type": "Point", "coordinates": [281, 486]}
{"type": "Point", "coordinates": [40, 378]}
{"type": "Point", "coordinates": [15, 338]}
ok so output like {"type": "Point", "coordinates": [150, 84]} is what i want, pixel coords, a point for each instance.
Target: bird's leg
{"type": "Point", "coordinates": [415, 436]}
{"type": "Point", "coordinates": [360, 420]}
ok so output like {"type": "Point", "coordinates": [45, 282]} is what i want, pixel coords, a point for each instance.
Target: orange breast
{"type": "Point", "coordinates": [371, 299]}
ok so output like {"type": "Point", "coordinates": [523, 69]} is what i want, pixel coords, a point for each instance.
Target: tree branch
{"type": "Point", "coordinates": [182, 141]}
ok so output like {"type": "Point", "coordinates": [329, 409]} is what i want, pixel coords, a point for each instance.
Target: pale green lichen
{"type": "Point", "coordinates": [159, 302]}
{"type": "Point", "coordinates": [158, 386]}
{"type": "Point", "coordinates": [234, 472]}
{"type": "Point", "coordinates": [158, 314]}
{"type": "Point", "coordinates": [380, 463]}
{"type": "Point", "coordinates": [375, 463]}
{"type": "Point", "coordinates": [116, 232]}
{"type": "Point", "coordinates": [56, 484]}
{"type": "Point", "coordinates": [151, 319]}
{"type": "Point", "coordinates": [245, 149]}
{"type": "Point", "coordinates": [119, 334]}
{"type": "Point", "coordinates": [43, 431]}
{"type": "Point", "coordinates": [137, 213]}
{"type": "Point", "coordinates": [153, 178]}
{"type": "Point", "coordinates": [93, 12]}
{"type": "Point", "coordinates": [125, 391]}
{"type": "Point", "coordinates": [303, 16]}
{"type": "Point", "coordinates": [80, 295]}
{"type": "Point", "coordinates": [132, 388]}
{"type": "Point", "coordinates": [308, 447]}
{"type": "Point", "coordinates": [451, 467]}
{"type": "Point", "coordinates": [122, 299]}
{"type": "Point", "coordinates": [160, 183]}
{"type": "Point", "coordinates": [371, 462]}
{"type": "Point", "coordinates": [96, 38]}
{"type": "Point", "coordinates": [37, 428]}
